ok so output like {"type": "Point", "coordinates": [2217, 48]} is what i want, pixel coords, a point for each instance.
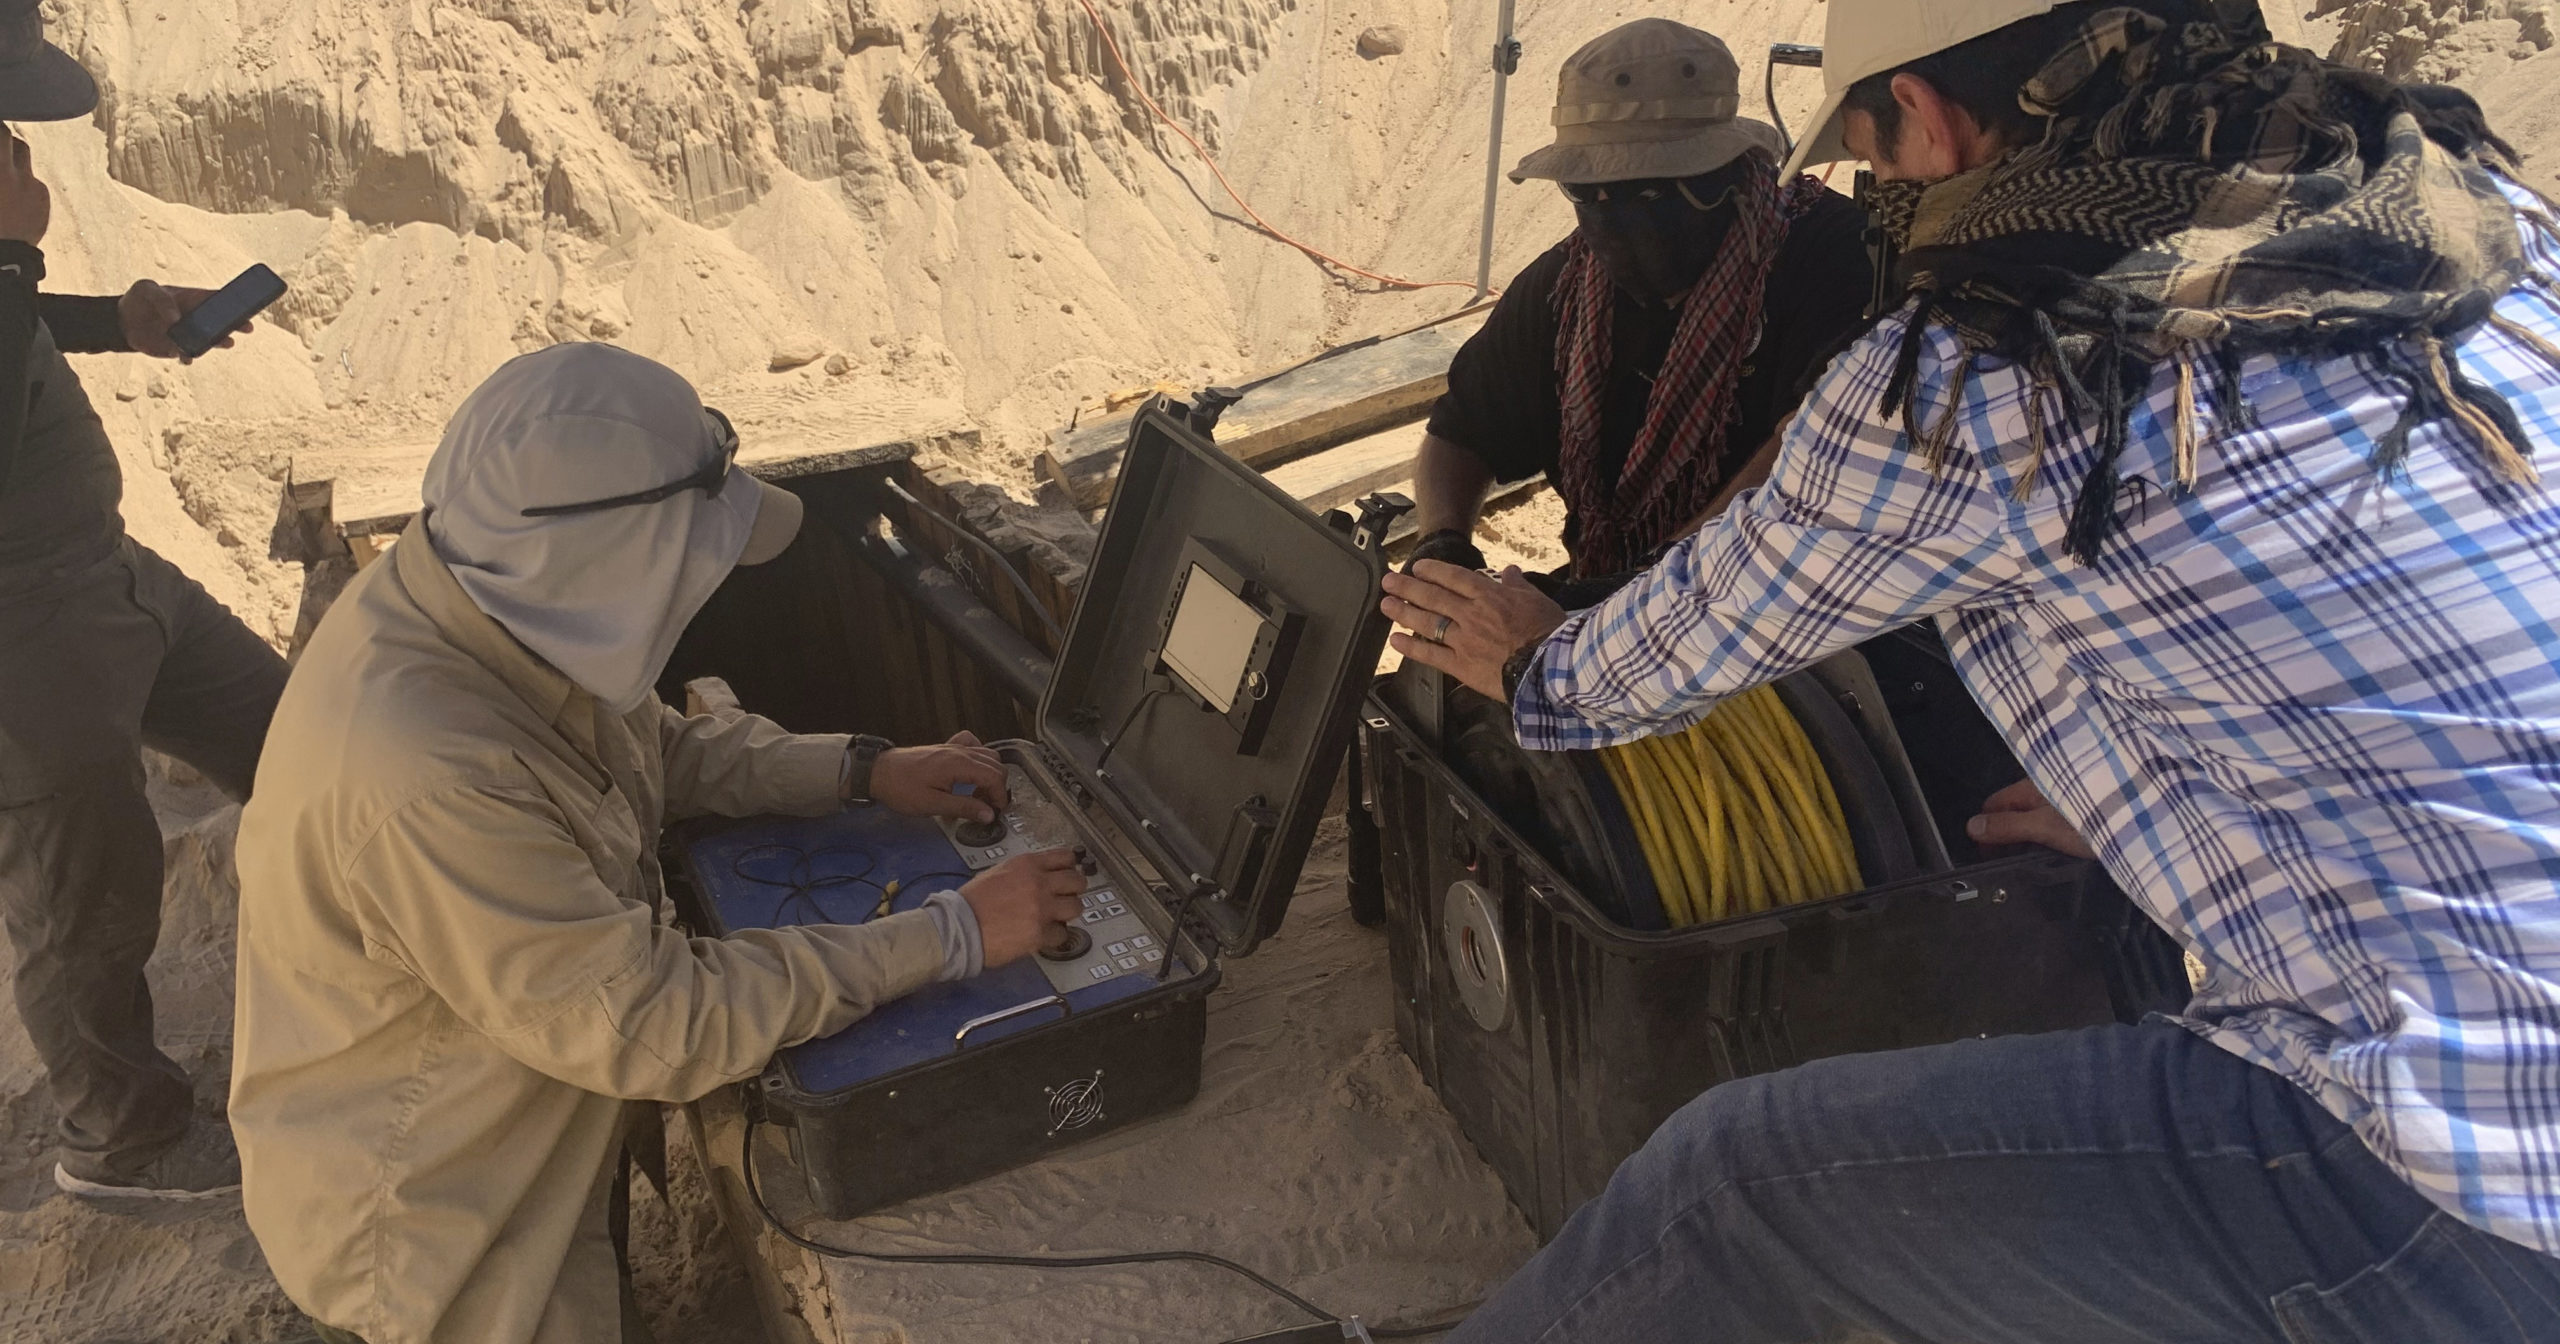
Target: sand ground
{"type": "Point", "coordinates": [1314, 1154]}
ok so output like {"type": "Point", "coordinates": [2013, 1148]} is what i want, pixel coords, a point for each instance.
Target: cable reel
{"type": "Point", "coordinates": [1735, 814]}
{"type": "Point", "coordinates": [1775, 799]}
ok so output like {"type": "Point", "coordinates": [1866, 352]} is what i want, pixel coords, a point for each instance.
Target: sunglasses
{"type": "Point", "coordinates": [711, 480]}
{"type": "Point", "coordinates": [1650, 191]}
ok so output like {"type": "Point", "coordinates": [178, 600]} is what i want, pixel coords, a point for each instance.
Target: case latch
{"type": "Point", "coordinates": [1247, 846]}
{"type": "Point", "coordinates": [1378, 513]}
{"type": "Point", "coordinates": [1209, 405]}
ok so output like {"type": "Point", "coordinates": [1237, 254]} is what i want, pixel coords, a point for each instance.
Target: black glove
{"type": "Point", "coordinates": [1449, 546]}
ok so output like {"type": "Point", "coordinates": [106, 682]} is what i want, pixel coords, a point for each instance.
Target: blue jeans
{"type": "Point", "coordinates": [2107, 1186]}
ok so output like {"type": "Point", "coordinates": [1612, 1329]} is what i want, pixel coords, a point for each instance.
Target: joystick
{"type": "Point", "coordinates": [1068, 944]}
{"type": "Point", "coordinates": [979, 834]}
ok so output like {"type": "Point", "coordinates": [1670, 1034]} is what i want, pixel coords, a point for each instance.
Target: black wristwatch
{"type": "Point", "coordinates": [1515, 669]}
{"type": "Point", "coordinates": [862, 753]}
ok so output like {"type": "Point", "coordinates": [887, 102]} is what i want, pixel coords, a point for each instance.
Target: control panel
{"type": "Point", "coordinates": [1114, 939]}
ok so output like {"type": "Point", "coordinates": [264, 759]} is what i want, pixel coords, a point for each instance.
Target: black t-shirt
{"type": "Point", "coordinates": [1504, 406]}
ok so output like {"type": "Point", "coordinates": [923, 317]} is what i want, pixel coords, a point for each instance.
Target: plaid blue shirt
{"type": "Point", "coordinates": [2308, 713]}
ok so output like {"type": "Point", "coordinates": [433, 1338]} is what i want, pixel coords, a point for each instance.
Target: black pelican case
{"type": "Point", "coordinates": [1198, 805]}
{"type": "Point", "coordinates": [1560, 1038]}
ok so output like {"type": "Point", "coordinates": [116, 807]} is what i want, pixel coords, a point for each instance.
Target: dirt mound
{"type": "Point", "coordinates": [2441, 40]}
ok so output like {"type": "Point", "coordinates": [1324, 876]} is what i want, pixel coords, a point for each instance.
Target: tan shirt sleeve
{"type": "Point", "coordinates": [744, 766]}
{"type": "Point", "coordinates": [483, 894]}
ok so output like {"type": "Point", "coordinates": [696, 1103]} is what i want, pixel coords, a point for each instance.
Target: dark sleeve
{"type": "Point", "coordinates": [1817, 295]}
{"type": "Point", "coordinates": [1501, 404]}
{"type": "Point", "coordinates": [21, 270]}
{"type": "Point", "coordinates": [83, 325]}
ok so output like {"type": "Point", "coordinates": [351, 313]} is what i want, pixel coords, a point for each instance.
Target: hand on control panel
{"type": "Point", "coordinates": [1021, 903]}
{"type": "Point", "coordinates": [918, 781]}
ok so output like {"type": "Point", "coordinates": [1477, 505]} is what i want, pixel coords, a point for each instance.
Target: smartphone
{"type": "Point", "coordinates": [247, 294]}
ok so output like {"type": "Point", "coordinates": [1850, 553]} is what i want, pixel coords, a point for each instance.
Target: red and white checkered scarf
{"type": "Point", "coordinates": [1676, 466]}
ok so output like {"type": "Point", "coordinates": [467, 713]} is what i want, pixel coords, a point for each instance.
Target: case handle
{"type": "Point", "coordinates": [960, 1038]}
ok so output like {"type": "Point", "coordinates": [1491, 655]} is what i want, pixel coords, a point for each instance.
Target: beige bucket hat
{"type": "Point", "coordinates": [1868, 37]}
{"type": "Point", "coordinates": [1651, 99]}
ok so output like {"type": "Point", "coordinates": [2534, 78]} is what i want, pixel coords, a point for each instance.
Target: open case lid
{"type": "Point", "coordinates": [1215, 667]}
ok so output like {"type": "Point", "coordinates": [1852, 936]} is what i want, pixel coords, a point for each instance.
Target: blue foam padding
{"type": "Point", "coordinates": [783, 871]}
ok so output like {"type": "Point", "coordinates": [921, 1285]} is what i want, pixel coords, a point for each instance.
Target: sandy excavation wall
{"type": "Point", "coordinates": [2440, 39]}
{"type": "Point", "coordinates": [890, 195]}
{"type": "Point", "coordinates": [853, 219]}
{"type": "Point", "coordinates": [849, 220]}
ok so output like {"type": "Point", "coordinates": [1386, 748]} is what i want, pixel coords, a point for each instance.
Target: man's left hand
{"type": "Point", "coordinates": [1468, 624]}
{"type": "Point", "coordinates": [2021, 815]}
{"type": "Point", "coordinates": [918, 781]}
{"type": "Point", "coordinates": [150, 308]}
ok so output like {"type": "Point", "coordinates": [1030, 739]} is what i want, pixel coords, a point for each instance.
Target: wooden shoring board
{"type": "Point", "coordinates": [789, 1282]}
{"type": "Point", "coordinates": [940, 490]}
{"type": "Point", "coordinates": [1324, 402]}
{"type": "Point", "coordinates": [385, 509]}
{"type": "Point", "coordinates": [1337, 476]}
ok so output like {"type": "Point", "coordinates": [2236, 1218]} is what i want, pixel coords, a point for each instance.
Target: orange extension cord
{"type": "Point", "coordinates": [1390, 281]}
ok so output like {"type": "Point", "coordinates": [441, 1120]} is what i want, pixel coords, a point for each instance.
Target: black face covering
{"type": "Point", "coordinates": [1656, 236]}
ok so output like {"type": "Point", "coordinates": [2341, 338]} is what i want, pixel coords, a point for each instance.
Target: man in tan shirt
{"type": "Point", "coordinates": [455, 969]}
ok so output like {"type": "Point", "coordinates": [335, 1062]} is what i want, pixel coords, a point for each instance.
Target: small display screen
{"type": "Point", "coordinates": [1211, 643]}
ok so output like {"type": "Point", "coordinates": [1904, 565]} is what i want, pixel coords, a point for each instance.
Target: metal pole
{"type": "Point", "coordinates": [1506, 59]}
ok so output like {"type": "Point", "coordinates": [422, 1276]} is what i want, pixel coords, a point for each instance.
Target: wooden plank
{"type": "Point", "coordinates": [1406, 527]}
{"type": "Point", "coordinates": [1337, 476]}
{"type": "Point", "coordinates": [789, 1284]}
{"type": "Point", "coordinates": [1319, 404]}
{"type": "Point", "coordinates": [322, 582]}
{"type": "Point", "coordinates": [306, 530]}
{"type": "Point", "coordinates": [987, 514]}
{"type": "Point", "coordinates": [711, 695]}
{"type": "Point", "coordinates": [388, 498]}
{"type": "Point", "coordinates": [935, 489]}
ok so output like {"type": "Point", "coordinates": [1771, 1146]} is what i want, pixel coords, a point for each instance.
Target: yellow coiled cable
{"type": "Point", "coordinates": [1735, 815]}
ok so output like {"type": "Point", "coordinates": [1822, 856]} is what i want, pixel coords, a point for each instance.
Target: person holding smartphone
{"type": "Point", "coordinates": [104, 648]}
